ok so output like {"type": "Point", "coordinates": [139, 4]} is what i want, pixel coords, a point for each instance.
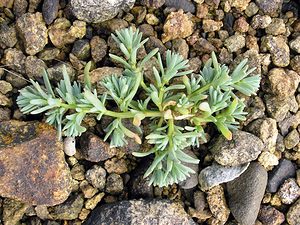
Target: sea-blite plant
{"type": "Point", "coordinates": [192, 100]}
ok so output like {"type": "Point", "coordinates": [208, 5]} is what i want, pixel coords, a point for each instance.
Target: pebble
{"type": "Point", "coordinates": [153, 3]}
{"type": "Point", "coordinates": [96, 176]}
{"type": "Point", "coordinates": [98, 48]}
{"type": "Point", "coordinates": [15, 59]}
{"type": "Point", "coordinates": [245, 148]}
{"type": "Point", "coordinates": [92, 203]}
{"type": "Point", "coordinates": [81, 49]}
{"type": "Point", "coordinates": [8, 35]}
{"type": "Point", "coordinates": [99, 11]}
{"type": "Point", "coordinates": [278, 48]}
{"type": "Point", "coordinates": [177, 25]}
{"type": "Point", "coordinates": [33, 32]}
{"type": "Point", "coordinates": [77, 172]}
{"type": "Point", "coordinates": [266, 130]}
{"type": "Point", "coordinates": [185, 5]}
{"type": "Point", "coordinates": [20, 7]}
{"type": "Point", "coordinates": [251, 9]}
{"type": "Point", "coordinates": [34, 67]}
{"type": "Point", "coordinates": [130, 212]}
{"type": "Point", "coordinates": [115, 165]}
{"type": "Point", "coordinates": [69, 210]}
{"type": "Point", "coordinates": [217, 174]}
{"type": "Point", "coordinates": [217, 205]}
{"type": "Point", "coordinates": [181, 47]}
{"type": "Point", "coordinates": [152, 19]}
{"type": "Point", "coordinates": [50, 10]}
{"type": "Point", "coordinates": [295, 63]}
{"type": "Point", "coordinates": [94, 149]}
{"type": "Point", "coordinates": [268, 160]}
{"type": "Point", "coordinates": [211, 25]}
{"type": "Point", "coordinates": [292, 139]}
{"type": "Point", "coordinates": [293, 215]}
{"type": "Point", "coordinates": [114, 184]}
{"type": "Point", "coordinates": [241, 25]}
{"type": "Point", "coordinates": [5, 87]}
{"type": "Point", "coordinates": [289, 191]}
{"type": "Point", "coordinates": [4, 114]}
{"type": "Point", "coordinates": [261, 21]}
{"type": "Point", "coordinates": [56, 72]}
{"type": "Point", "coordinates": [246, 192]}
{"type": "Point", "coordinates": [69, 146]}
{"type": "Point", "coordinates": [62, 32]}
{"type": "Point", "coordinates": [49, 54]}
{"type": "Point", "coordinates": [295, 44]}
{"type": "Point", "coordinates": [283, 83]}
{"type": "Point", "coordinates": [235, 42]}
{"type": "Point", "coordinates": [276, 27]}
{"type": "Point", "coordinates": [13, 211]}
{"type": "Point", "coordinates": [269, 215]}
{"type": "Point", "coordinates": [270, 7]}
{"type": "Point", "coordinates": [87, 190]}
{"type": "Point", "coordinates": [241, 5]}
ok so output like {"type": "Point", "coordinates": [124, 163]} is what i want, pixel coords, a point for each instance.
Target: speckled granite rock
{"type": "Point", "coordinates": [140, 212]}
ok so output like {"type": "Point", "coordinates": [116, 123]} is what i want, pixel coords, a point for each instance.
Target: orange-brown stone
{"type": "Point", "coordinates": [32, 164]}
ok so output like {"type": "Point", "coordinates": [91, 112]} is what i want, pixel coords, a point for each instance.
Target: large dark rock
{"type": "Point", "coordinates": [140, 212]}
{"type": "Point", "coordinates": [246, 192]}
{"type": "Point", "coordinates": [285, 169]}
{"type": "Point", "coordinates": [94, 149]}
{"type": "Point", "coordinates": [99, 11]}
{"type": "Point", "coordinates": [244, 147]}
{"type": "Point", "coordinates": [32, 164]}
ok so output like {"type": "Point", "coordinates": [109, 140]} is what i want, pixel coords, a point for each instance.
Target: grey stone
{"type": "Point", "coordinates": [286, 169]}
{"type": "Point", "coordinates": [50, 10]}
{"type": "Point", "coordinates": [192, 180]}
{"type": "Point", "coordinates": [98, 11]}
{"type": "Point", "coordinates": [217, 174]}
{"type": "Point", "coordinates": [8, 35]}
{"type": "Point", "coordinates": [140, 212]}
{"type": "Point", "coordinates": [186, 5]}
{"type": "Point", "coordinates": [246, 192]}
{"type": "Point", "coordinates": [96, 176]}
{"type": "Point", "coordinates": [55, 72]}
{"type": "Point", "coordinates": [81, 49]}
{"type": "Point", "coordinates": [114, 184]}
{"type": "Point", "coordinates": [244, 147]}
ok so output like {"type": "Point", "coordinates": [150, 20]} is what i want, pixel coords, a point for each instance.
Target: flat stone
{"type": "Point", "coordinates": [217, 174]}
{"type": "Point", "coordinates": [94, 149]}
{"type": "Point", "coordinates": [246, 192]}
{"type": "Point", "coordinates": [244, 147]}
{"type": "Point", "coordinates": [286, 169]}
{"type": "Point", "coordinates": [37, 173]}
{"type": "Point", "coordinates": [140, 212]}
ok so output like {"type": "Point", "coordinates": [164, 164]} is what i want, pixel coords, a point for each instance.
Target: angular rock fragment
{"type": "Point", "coordinates": [32, 164]}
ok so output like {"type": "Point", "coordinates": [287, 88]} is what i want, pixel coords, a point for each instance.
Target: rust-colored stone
{"type": "Point", "coordinates": [32, 164]}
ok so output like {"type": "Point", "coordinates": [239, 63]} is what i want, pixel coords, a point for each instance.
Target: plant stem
{"type": "Point", "coordinates": [126, 115]}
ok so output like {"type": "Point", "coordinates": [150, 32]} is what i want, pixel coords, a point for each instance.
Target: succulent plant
{"type": "Point", "coordinates": [191, 99]}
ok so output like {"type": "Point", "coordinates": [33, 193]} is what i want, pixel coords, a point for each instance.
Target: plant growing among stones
{"type": "Point", "coordinates": [178, 103]}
